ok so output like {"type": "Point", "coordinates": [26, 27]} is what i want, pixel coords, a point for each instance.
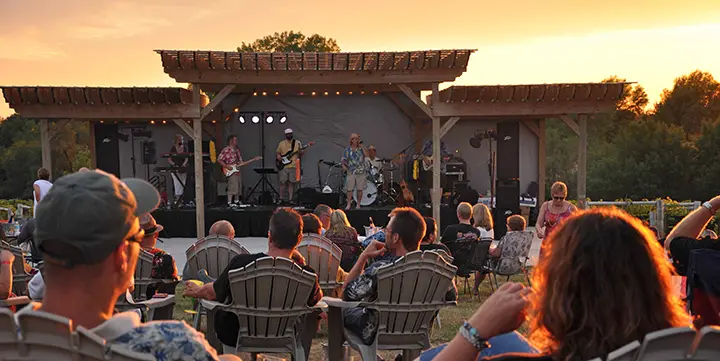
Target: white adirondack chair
{"type": "Point", "coordinates": [280, 290]}
{"type": "Point", "coordinates": [324, 257]}
{"type": "Point", "coordinates": [20, 277]}
{"type": "Point", "coordinates": [410, 293]}
{"type": "Point", "coordinates": [39, 336]}
{"type": "Point", "coordinates": [137, 298]}
{"type": "Point", "coordinates": [707, 344]}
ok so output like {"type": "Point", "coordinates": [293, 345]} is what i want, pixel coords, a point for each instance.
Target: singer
{"type": "Point", "coordinates": [353, 164]}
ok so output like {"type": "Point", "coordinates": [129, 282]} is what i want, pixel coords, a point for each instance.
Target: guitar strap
{"type": "Point", "coordinates": [292, 148]}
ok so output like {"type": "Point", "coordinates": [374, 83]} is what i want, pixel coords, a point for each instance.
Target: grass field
{"type": "Point", "coordinates": [451, 319]}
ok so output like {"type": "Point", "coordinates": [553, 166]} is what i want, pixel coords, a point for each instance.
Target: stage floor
{"type": "Point", "coordinates": [253, 221]}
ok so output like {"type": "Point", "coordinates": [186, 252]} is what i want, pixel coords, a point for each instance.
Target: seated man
{"type": "Point", "coordinates": [686, 236]}
{"type": "Point", "coordinates": [283, 237]}
{"type": "Point", "coordinates": [403, 235]}
{"type": "Point", "coordinates": [428, 241]}
{"type": "Point", "coordinates": [163, 263]}
{"type": "Point", "coordinates": [323, 212]}
{"type": "Point", "coordinates": [88, 230]}
{"type": "Point", "coordinates": [460, 239]}
{"type": "Point", "coordinates": [219, 228]}
{"type": "Point", "coordinates": [26, 236]}
{"type": "Point", "coordinates": [312, 224]}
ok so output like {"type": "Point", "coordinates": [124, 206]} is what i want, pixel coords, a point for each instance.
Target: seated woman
{"type": "Point", "coordinates": [345, 237]}
{"type": "Point", "coordinates": [577, 310]}
{"type": "Point", "coordinates": [163, 263]}
{"type": "Point", "coordinates": [6, 274]}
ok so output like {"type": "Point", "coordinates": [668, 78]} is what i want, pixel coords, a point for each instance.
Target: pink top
{"type": "Point", "coordinates": [552, 219]}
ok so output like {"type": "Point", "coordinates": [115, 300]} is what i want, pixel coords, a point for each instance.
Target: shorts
{"type": "Point", "coordinates": [356, 182]}
{"type": "Point", "coordinates": [287, 175]}
{"type": "Point", "coordinates": [234, 184]}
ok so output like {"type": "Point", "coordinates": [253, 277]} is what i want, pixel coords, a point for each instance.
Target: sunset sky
{"type": "Point", "coordinates": [110, 43]}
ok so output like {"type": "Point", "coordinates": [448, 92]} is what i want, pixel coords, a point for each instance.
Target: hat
{"type": "Point", "coordinates": [149, 225]}
{"type": "Point", "coordinates": [86, 215]}
{"type": "Point", "coordinates": [372, 147]}
{"type": "Point", "coordinates": [288, 131]}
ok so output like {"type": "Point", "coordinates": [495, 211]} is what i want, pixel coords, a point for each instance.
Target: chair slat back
{"type": "Point", "coordinates": [707, 344]}
{"type": "Point", "coordinates": [446, 256]}
{"type": "Point", "coordinates": [514, 252]}
{"type": "Point", "coordinates": [8, 333]}
{"type": "Point", "coordinates": [20, 277]}
{"type": "Point", "coordinates": [409, 294]}
{"type": "Point", "coordinates": [479, 256]}
{"type": "Point", "coordinates": [213, 254]}
{"type": "Point", "coordinates": [667, 345]}
{"type": "Point", "coordinates": [626, 353]}
{"type": "Point", "coordinates": [268, 297]}
{"type": "Point", "coordinates": [143, 272]}
{"type": "Point", "coordinates": [322, 255]}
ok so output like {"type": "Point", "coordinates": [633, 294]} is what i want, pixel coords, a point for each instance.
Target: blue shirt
{"type": "Point", "coordinates": [354, 160]}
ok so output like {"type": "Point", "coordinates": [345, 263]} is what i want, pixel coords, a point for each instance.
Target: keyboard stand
{"type": "Point", "coordinates": [264, 183]}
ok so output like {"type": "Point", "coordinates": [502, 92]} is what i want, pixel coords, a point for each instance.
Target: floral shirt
{"type": "Point", "coordinates": [354, 159]}
{"type": "Point", "coordinates": [230, 155]}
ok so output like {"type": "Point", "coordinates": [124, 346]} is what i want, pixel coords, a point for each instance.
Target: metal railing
{"type": "Point", "coordinates": [657, 216]}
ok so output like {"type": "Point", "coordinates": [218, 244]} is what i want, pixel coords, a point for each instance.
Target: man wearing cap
{"type": "Point", "coordinates": [163, 263]}
{"type": "Point", "coordinates": [372, 160]}
{"type": "Point", "coordinates": [230, 156]}
{"type": "Point", "coordinates": [88, 230]}
{"type": "Point", "coordinates": [288, 179]}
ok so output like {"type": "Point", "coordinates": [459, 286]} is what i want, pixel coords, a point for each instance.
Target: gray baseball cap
{"type": "Point", "coordinates": [85, 216]}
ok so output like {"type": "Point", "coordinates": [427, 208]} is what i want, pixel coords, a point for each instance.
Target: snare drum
{"type": "Point", "coordinates": [375, 176]}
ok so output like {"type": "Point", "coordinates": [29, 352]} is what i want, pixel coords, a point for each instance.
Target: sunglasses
{"type": "Point", "coordinates": [559, 198]}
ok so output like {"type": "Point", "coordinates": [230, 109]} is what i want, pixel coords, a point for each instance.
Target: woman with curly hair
{"type": "Point", "coordinates": [603, 283]}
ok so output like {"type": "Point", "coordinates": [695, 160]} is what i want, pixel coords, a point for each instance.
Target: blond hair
{"type": "Point", "coordinates": [464, 211]}
{"type": "Point", "coordinates": [482, 217]}
{"type": "Point", "coordinates": [559, 187]}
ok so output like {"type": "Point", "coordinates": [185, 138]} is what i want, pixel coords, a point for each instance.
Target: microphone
{"type": "Point", "coordinates": [361, 142]}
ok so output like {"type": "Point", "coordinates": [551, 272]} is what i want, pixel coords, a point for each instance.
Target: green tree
{"type": "Point", "coordinates": [707, 161]}
{"type": "Point", "coordinates": [693, 100]}
{"type": "Point", "coordinates": [291, 42]}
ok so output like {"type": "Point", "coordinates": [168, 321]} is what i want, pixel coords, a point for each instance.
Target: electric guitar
{"type": "Point", "coordinates": [286, 159]}
{"type": "Point", "coordinates": [232, 169]}
{"type": "Point", "coordinates": [427, 162]}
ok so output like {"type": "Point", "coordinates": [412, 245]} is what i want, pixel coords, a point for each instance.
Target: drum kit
{"type": "Point", "coordinates": [379, 188]}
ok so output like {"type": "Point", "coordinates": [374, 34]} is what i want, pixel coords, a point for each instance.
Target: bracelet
{"type": "Point", "coordinates": [471, 335]}
{"type": "Point", "coordinates": [6, 262]}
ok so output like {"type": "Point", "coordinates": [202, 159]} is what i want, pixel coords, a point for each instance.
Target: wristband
{"type": "Point", "coordinates": [6, 262]}
{"type": "Point", "coordinates": [709, 207]}
{"type": "Point", "coordinates": [471, 335]}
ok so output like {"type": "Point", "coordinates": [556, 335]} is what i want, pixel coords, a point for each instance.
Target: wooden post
{"type": "Point", "coordinates": [93, 149]}
{"type": "Point", "coordinates": [197, 157]}
{"type": "Point", "coordinates": [436, 193]}
{"type": "Point", "coordinates": [582, 161]}
{"type": "Point", "coordinates": [45, 145]}
{"type": "Point", "coordinates": [541, 162]}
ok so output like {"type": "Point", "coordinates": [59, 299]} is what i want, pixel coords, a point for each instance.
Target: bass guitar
{"type": "Point", "coordinates": [232, 169]}
{"type": "Point", "coordinates": [286, 159]}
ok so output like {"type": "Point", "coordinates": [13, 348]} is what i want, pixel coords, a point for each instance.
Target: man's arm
{"type": "Point", "coordinates": [694, 223]}
{"type": "Point", "coordinates": [206, 292]}
{"type": "Point", "coordinates": [540, 220]}
{"type": "Point", "coordinates": [36, 192]}
{"type": "Point", "coordinates": [374, 249]}
{"type": "Point", "coordinates": [6, 261]}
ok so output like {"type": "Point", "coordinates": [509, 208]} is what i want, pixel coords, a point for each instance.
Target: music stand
{"type": "Point", "coordinates": [263, 182]}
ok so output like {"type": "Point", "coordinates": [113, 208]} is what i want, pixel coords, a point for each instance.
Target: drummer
{"type": "Point", "coordinates": [372, 161]}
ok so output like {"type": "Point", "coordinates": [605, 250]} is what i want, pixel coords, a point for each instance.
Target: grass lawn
{"type": "Point", "coordinates": [451, 319]}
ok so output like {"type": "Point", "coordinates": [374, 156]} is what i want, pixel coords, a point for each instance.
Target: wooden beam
{"type": "Point", "coordinates": [219, 97]}
{"type": "Point", "coordinates": [45, 145]}
{"type": "Point", "coordinates": [436, 193]}
{"type": "Point", "coordinates": [582, 162]}
{"type": "Point", "coordinates": [93, 146]}
{"type": "Point", "coordinates": [542, 170]}
{"type": "Point", "coordinates": [198, 162]}
{"type": "Point", "coordinates": [208, 129]}
{"type": "Point", "coordinates": [533, 110]}
{"type": "Point", "coordinates": [416, 99]}
{"type": "Point", "coordinates": [570, 122]}
{"type": "Point", "coordinates": [532, 126]}
{"type": "Point", "coordinates": [448, 124]}
{"type": "Point", "coordinates": [185, 127]}
{"type": "Point", "coordinates": [105, 112]}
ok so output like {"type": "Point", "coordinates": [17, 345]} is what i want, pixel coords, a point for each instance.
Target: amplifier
{"type": "Point", "coordinates": [455, 167]}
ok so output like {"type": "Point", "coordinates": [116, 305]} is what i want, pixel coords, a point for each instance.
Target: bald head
{"type": "Point", "coordinates": [223, 228]}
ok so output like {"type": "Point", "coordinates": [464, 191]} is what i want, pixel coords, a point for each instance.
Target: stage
{"type": "Point", "coordinates": [253, 221]}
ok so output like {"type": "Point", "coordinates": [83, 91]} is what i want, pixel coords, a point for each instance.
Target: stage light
{"type": "Point", "coordinates": [269, 119]}
{"type": "Point", "coordinates": [337, 93]}
{"type": "Point", "coordinates": [277, 93]}
{"type": "Point", "coordinates": [255, 119]}
{"type": "Point", "coordinates": [375, 92]}
{"type": "Point", "coordinates": [313, 93]}
{"type": "Point", "coordinates": [152, 122]}
{"type": "Point", "coordinates": [283, 119]}
{"type": "Point", "coordinates": [349, 93]}
{"type": "Point", "coordinates": [164, 121]}
{"type": "Point", "coordinates": [236, 110]}
{"type": "Point", "coordinates": [326, 93]}
{"type": "Point", "coordinates": [264, 93]}
{"type": "Point", "coordinates": [102, 122]}
{"type": "Point", "coordinates": [214, 121]}
{"type": "Point", "coordinates": [242, 119]}
{"type": "Point", "coordinates": [362, 92]}
{"type": "Point", "coordinates": [254, 94]}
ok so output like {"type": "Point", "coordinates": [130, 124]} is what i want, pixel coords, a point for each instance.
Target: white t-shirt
{"type": "Point", "coordinates": [44, 187]}
{"type": "Point", "coordinates": [485, 233]}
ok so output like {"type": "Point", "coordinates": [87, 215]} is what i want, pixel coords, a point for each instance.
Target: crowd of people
{"type": "Point", "coordinates": [602, 280]}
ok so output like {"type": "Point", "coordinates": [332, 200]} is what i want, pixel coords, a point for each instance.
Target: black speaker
{"type": "Point", "coordinates": [507, 203]}
{"type": "Point", "coordinates": [311, 198]}
{"type": "Point", "coordinates": [149, 152]}
{"type": "Point", "coordinates": [107, 148]}
{"type": "Point", "coordinates": [508, 149]}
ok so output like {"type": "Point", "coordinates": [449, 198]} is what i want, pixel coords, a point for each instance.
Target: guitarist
{"type": "Point", "coordinates": [230, 156]}
{"type": "Point", "coordinates": [425, 181]}
{"type": "Point", "coordinates": [288, 178]}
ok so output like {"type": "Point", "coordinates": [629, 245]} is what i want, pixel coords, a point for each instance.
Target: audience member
{"type": "Point", "coordinates": [323, 212]}
{"type": "Point", "coordinates": [686, 236]}
{"type": "Point", "coordinates": [163, 263]}
{"type": "Point", "coordinates": [460, 238]}
{"type": "Point", "coordinates": [283, 237]}
{"type": "Point", "coordinates": [553, 212]}
{"type": "Point", "coordinates": [223, 228]}
{"type": "Point", "coordinates": [483, 221]}
{"type": "Point", "coordinates": [312, 224]}
{"type": "Point", "coordinates": [515, 243]}
{"type": "Point", "coordinates": [3, 237]}
{"type": "Point", "coordinates": [40, 187]}
{"type": "Point", "coordinates": [345, 237]}
{"type": "Point", "coordinates": [402, 235]}
{"type": "Point", "coordinates": [428, 241]}
{"type": "Point", "coordinates": [88, 230]}
{"type": "Point", "coordinates": [83, 170]}
{"type": "Point", "coordinates": [573, 313]}
{"type": "Point", "coordinates": [26, 236]}
{"type": "Point", "coordinates": [6, 274]}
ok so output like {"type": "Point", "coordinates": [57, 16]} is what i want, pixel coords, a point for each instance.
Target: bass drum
{"type": "Point", "coordinates": [369, 195]}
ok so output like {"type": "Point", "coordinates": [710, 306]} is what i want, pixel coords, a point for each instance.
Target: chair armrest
{"type": "Point", "coordinates": [158, 302]}
{"type": "Point", "coordinates": [211, 305]}
{"type": "Point", "coordinates": [14, 301]}
{"type": "Point", "coordinates": [336, 302]}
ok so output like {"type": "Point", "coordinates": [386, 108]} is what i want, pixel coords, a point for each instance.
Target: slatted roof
{"type": "Point", "coordinates": [419, 69]}
{"type": "Point", "coordinates": [101, 102]}
{"type": "Point", "coordinates": [528, 100]}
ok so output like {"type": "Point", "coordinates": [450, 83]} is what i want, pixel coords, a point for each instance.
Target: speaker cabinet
{"type": "Point", "coordinates": [507, 203]}
{"type": "Point", "coordinates": [508, 149]}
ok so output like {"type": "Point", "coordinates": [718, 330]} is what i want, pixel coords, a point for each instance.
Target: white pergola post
{"type": "Point", "coordinates": [582, 162]}
{"type": "Point", "coordinates": [197, 158]}
{"type": "Point", "coordinates": [45, 145]}
{"type": "Point", "coordinates": [436, 193]}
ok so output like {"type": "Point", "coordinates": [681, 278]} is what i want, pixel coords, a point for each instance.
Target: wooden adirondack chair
{"type": "Point", "coordinates": [39, 335]}
{"type": "Point", "coordinates": [137, 298]}
{"type": "Point", "coordinates": [324, 257]}
{"type": "Point", "coordinates": [20, 276]}
{"type": "Point", "coordinates": [267, 321]}
{"type": "Point", "coordinates": [410, 293]}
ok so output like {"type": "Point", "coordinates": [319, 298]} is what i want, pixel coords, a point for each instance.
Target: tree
{"type": "Point", "coordinates": [707, 161]}
{"type": "Point", "coordinates": [291, 42]}
{"type": "Point", "coordinates": [693, 100]}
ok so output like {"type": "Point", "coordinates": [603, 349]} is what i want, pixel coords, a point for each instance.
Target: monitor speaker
{"type": "Point", "coordinates": [310, 198]}
{"type": "Point", "coordinates": [507, 203]}
{"type": "Point", "coordinates": [149, 152]}
{"type": "Point", "coordinates": [508, 149]}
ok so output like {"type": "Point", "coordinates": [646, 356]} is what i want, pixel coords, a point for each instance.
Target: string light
{"type": "Point", "coordinates": [301, 93]}
{"type": "Point", "coordinates": [152, 122]}
{"type": "Point", "coordinates": [362, 92]}
{"type": "Point", "coordinates": [236, 110]}
{"type": "Point", "coordinates": [102, 122]}
{"type": "Point", "coordinates": [375, 92]}
{"type": "Point", "coordinates": [214, 122]}
{"type": "Point", "coordinates": [164, 121]}
{"type": "Point", "coordinates": [349, 93]}
{"type": "Point", "coordinates": [254, 94]}
{"type": "Point", "coordinates": [313, 93]}
{"type": "Point", "coordinates": [277, 93]}
{"type": "Point", "coordinates": [337, 93]}
{"type": "Point", "coordinates": [326, 93]}
{"type": "Point", "coordinates": [264, 93]}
